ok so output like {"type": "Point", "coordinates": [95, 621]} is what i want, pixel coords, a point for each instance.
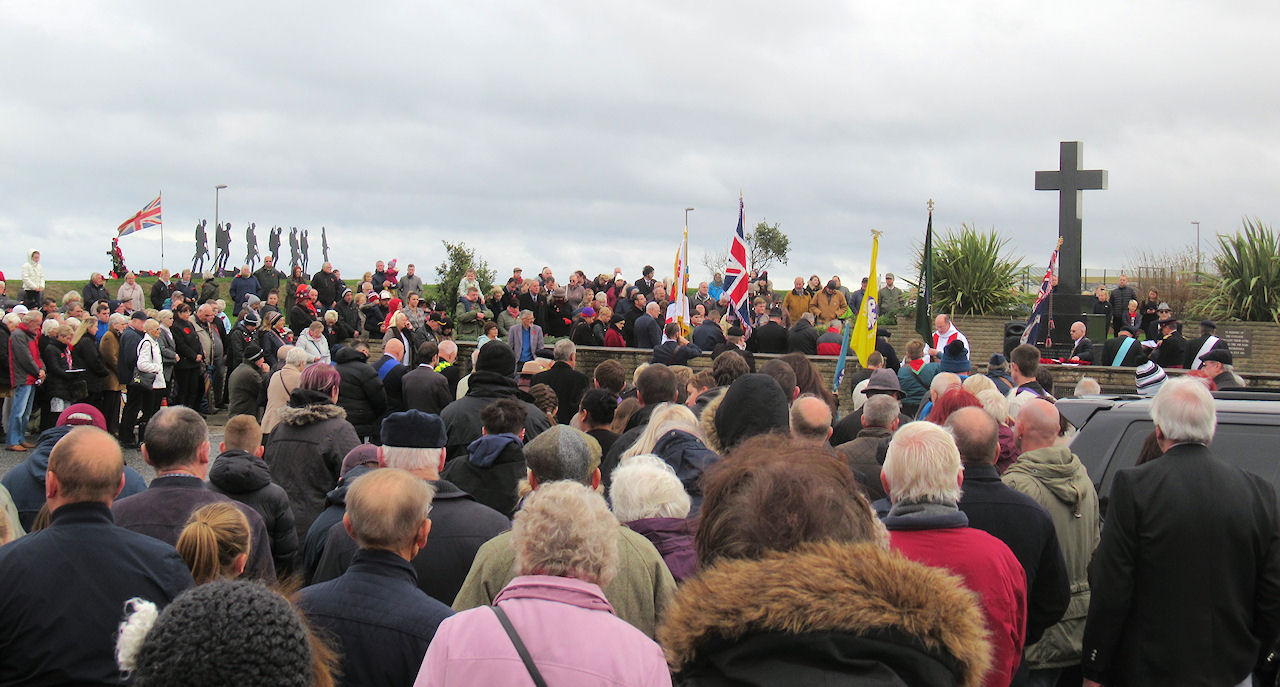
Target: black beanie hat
{"type": "Point", "coordinates": [753, 404]}
{"type": "Point", "coordinates": [496, 356]}
{"type": "Point", "coordinates": [226, 633]}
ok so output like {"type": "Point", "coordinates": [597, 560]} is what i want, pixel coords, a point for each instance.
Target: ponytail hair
{"type": "Point", "coordinates": [212, 539]}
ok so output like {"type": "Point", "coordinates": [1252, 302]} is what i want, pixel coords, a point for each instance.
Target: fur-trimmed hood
{"type": "Point", "coordinates": [861, 589]}
{"type": "Point", "coordinates": [707, 421]}
{"type": "Point", "coordinates": [311, 414]}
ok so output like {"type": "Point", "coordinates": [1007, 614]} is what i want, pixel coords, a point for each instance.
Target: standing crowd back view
{"type": "Point", "coordinates": [714, 527]}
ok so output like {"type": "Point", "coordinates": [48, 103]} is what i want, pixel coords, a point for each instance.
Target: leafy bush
{"type": "Point", "coordinates": [1247, 285]}
{"type": "Point", "coordinates": [970, 276]}
{"type": "Point", "coordinates": [458, 258]}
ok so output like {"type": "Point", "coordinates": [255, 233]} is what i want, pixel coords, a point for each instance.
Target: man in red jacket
{"type": "Point", "coordinates": [922, 474]}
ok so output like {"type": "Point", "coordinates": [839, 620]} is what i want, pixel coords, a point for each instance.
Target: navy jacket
{"type": "Point", "coordinates": [25, 481]}
{"type": "Point", "coordinates": [65, 593]}
{"type": "Point", "coordinates": [381, 620]}
{"type": "Point", "coordinates": [569, 385]}
{"type": "Point", "coordinates": [648, 332]}
{"type": "Point", "coordinates": [459, 526]}
{"type": "Point", "coordinates": [1026, 528]}
{"type": "Point", "coordinates": [335, 506]}
{"type": "Point", "coordinates": [707, 335]}
{"type": "Point", "coordinates": [672, 353]}
{"type": "Point", "coordinates": [164, 508]}
{"type": "Point", "coordinates": [247, 479]}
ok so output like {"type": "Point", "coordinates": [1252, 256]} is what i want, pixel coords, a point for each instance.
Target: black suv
{"type": "Point", "coordinates": [1112, 429]}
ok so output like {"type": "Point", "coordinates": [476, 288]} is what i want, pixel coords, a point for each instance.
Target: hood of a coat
{"type": "Point", "coordinates": [486, 384]}
{"type": "Point", "coordinates": [37, 463]}
{"type": "Point", "coordinates": [485, 451]}
{"type": "Point", "coordinates": [348, 354]}
{"type": "Point", "coordinates": [828, 587]}
{"type": "Point", "coordinates": [239, 472]}
{"type": "Point", "coordinates": [1057, 469]}
{"type": "Point", "coordinates": [677, 448]}
{"type": "Point", "coordinates": [667, 534]}
{"type": "Point", "coordinates": [300, 416]}
{"type": "Point", "coordinates": [707, 422]}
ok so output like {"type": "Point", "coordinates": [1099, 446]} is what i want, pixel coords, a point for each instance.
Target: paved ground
{"type": "Point", "coordinates": [132, 457]}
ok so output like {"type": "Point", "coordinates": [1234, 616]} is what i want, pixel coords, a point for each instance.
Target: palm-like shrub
{"type": "Point", "coordinates": [971, 276]}
{"type": "Point", "coordinates": [1247, 284]}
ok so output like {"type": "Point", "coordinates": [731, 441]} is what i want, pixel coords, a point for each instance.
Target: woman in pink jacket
{"type": "Point", "coordinates": [566, 543]}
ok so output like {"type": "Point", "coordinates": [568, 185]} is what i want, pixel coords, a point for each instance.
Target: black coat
{"type": "Point", "coordinates": [246, 391]}
{"type": "Point", "coordinates": [803, 338]}
{"type": "Point", "coordinates": [460, 525]}
{"type": "Point", "coordinates": [1190, 542]}
{"type": "Point", "coordinates": [163, 509]}
{"type": "Point", "coordinates": [65, 593]}
{"type": "Point", "coordinates": [1170, 352]}
{"type": "Point", "coordinates": [159, 292]}
{"type": "Point", "coordinates": [335, 506]}
{"type": "Point", "coordinates": [707, 336]}
{"type": "Point", "coordinates": [327, 286]}
{"type": "Point", "coordinates": [1082, 349]}
{"type": "Point", "coordinates": [672, 353]}
{"type": "Point", "coordinates": [494, 485]}
{"type": "Point", "coordinates": [1135, 356]}
{"type": "Point", "coordinates": [746, 355]}
{"type": "Point", "coordinates": [247, 479]}
{"type": "Point", "coordinates": [128, 361]}
{"type": "Point", "coordinates": [648, 332]}
{"type": "Point", "coordinates": [569, 385]}
{"type": "Point", "coordinates": [361, 394]}
{"type": "Point", "coordinates": [300, 317]}
{"type": "Point", "coordinates": [1026, 528]}
{"type": "Point", "coordinates": [305, 453]}
{"type": "Point", "coordinates": [92, 293]}
{"type": "Point", "coordinates": [187, 343]}
{"type": "Point", "coordinates": [58, 381]}
{"type": "Point", "coordinates": [771, 338]}
{"type": "Point", "coordinates": [424, 389]}
{"type": "Point", "coordinates": [381, 621]}
{"type": "Point", "coordinates": [1193, 349]}
{"type": "Point", "coordinates": [86, 356]}
{"type": "Point", "coordinates": [462, 417]}
{"type": "Point", "coordinates": [239, 337]}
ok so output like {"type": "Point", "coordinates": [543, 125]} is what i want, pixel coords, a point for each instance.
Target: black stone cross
{"type": "Point", "coordinates": [1069, 180]}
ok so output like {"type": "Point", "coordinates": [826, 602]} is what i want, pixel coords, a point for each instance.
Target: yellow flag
{"type": "Point", "coordinates": [864, 329]}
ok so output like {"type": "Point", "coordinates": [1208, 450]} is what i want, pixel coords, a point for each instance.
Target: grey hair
{"type": "Point", "coordinates": [1087, 385]}
{"type": "Point", "coordinates": [1184, 411]}
{"type": "Point", "coordinates": [564, 350]}
{"type": "Point", "coordinates": [880, 410]}
{"type": "Point", "coordinates": [922, 465]}
{"type": "Point", "coordinates": [565, 529]}
{"type": "Point", "coordinates": [13, 319]}
{"type": "Point", "coordinates": [49, 327]}
{"type": "Point", "coordinates": [407, 458]}
{"type": "Point", "coordinates": [644, 486]}
{"type": "Point", "coordinates": [526, 313]}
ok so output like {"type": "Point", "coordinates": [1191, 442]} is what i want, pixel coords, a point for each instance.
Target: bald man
{"type": "Point", "coordinates": [1056, 479]}
{"type": "Point", "coordinates": [1012, 517]}
{"type": "Point", "coordinates": [391, 370]}
{"type": "Point", "coordinates": [66, 586]}
{"type": "Point", "coordinates": [811, 420]}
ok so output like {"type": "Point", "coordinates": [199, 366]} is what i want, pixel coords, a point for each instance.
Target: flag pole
{"type": "Point", "coordinates": [161, 195]}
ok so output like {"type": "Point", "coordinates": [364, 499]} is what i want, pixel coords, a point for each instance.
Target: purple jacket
{"type": "Point", "coordinates": [673, 538]}
{"type": "Point", "coordinates": [471, 648]}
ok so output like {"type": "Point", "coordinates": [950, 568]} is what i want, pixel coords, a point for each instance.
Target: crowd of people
{"type": "Point", "coordinates": [517, 519]}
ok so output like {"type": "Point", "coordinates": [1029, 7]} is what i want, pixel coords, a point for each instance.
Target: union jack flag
{"type": "Point", "coordinates": [1042, 310]}
{"type": "Point", "coordinates": [736, 281]}
{"type": "Point", "coordinates": [147, 217]}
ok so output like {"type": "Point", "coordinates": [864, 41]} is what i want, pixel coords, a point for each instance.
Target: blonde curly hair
{"type": "Point", "coordinates": [566, 530]}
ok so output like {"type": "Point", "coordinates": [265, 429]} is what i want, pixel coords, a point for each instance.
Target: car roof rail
{"type": "Point", "coordinates": [1247, 394]}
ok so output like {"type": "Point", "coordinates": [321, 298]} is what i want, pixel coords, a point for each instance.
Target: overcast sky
{"type": "Point", "coordinates": [574, 134]}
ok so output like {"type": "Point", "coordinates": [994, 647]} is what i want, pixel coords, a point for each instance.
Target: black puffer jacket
{"type": "Point", "coordinates": [247, 479]}
{"type": "Point", "coordinates": [462, 417]}
{"type": "Point", "coordinates": [305, 452]}
{"type": "Point", "coordinates": [86, 356]}
{"type": "Point", "coordinates": [361, 394]}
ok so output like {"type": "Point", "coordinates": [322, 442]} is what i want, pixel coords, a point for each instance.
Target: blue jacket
{"type": "Point", "coordinates": [65, 593]}
{"type": "Point", "coordinates": [241, 287]}
{"type": "Point", "coordinates": [25, 481]}
{"type": "Point", "coordinates": [689, 457]}
{"type": "Point", "coordinates": [381, 620]}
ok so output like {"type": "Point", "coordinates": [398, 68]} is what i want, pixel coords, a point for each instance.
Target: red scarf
{"type": "Point", "coordinates": [915, 365]}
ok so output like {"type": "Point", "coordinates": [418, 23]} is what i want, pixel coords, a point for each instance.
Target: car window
{"type": "Point", "coordinates": [1243, 445]}
{"type": "Point", "coordinates": [1127, 450]}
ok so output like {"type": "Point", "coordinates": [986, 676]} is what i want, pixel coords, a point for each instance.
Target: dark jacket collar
{"type": "Point", "coordinates": [383, 564]}
{"type": "Point", "coordinates": [80, 513]}
{"type": "Point", "coordinates": [981, 472]}
{"type": "Point", "coordinates": [176, 482]}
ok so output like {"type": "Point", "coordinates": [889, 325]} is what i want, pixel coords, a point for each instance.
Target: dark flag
{"type": "Point", "coordinates": [924, 286]}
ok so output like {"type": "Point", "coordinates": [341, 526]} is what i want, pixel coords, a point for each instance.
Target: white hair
{"type": "Point", "coordinates": [1088, 385]}
{"type": "Point", "coordinates": [296, 357]}
{"type": "Point", "coordinates": [411, 458]}
{"type": "Point", "coordinates": [976, 383]}
{"type": "Point", "coordinates": [564, 350]}
{"type": "Point", "coordinates": [14, 319]}
{"type": "Point", "coordinates": [1184, 411]}
{"type": "Point", "coordinates": [923, 464]}
{"type": "Point", "coordinates": [644, 486]}
{"type": "Point", "coordinates": [995, 403]}
{"type": "Point", "coordinates": [665, 418]}
{"type": "Point", "coordinates": [49, 326]}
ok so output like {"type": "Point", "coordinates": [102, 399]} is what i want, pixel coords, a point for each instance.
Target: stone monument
{"type": "Point", "coordinates": [1069, 180]}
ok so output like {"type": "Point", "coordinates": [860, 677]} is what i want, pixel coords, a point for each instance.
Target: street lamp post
{"type": "Point", "coordinates": [686, 217]}
{"type": "Point", "coordinates": [1197, 223]}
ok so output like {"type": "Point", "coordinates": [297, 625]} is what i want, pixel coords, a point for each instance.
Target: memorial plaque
{"type": "Point", "coordinates": [1237, 342]}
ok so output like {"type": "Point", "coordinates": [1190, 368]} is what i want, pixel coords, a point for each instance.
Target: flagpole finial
{"type": "Point", "coordinates": [930, 205]}
{"type": "Point", "coordinates": [876, 233]}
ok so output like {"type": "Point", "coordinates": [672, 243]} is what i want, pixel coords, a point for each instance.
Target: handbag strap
{"type": "Point", "coordinates": [520, 647]}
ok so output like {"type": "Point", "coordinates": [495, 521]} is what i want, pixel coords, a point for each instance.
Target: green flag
{"type": "Point", "coordinates": [924, 286]}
